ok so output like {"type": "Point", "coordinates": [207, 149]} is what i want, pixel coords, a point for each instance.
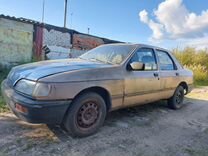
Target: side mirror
{"type": "Point", "coordinates": [137, 65]}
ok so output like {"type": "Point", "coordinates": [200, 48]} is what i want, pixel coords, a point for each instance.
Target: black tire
{"type": "Point", "coordinates": [176, 101]}
{"type": "Point", "coordinates": [86, 115]}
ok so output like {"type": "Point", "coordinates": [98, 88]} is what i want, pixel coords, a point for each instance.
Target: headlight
{"type": "Point", "coordinates": [25, 86]}
{"type": "Point", "coordinates": [41, 89]}
{"type": "Point", "coordinates": [32, 88]}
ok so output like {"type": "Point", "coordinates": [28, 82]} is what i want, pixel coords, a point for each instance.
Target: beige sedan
{"type": "Point", "coordinates": [78, 93]}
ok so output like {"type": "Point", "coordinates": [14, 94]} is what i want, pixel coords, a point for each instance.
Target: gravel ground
{"type": "Point", "coordinates": [149, 130]}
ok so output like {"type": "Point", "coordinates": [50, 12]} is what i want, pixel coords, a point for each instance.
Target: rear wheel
{"type": "Point", "coordinates": [86, 115]}
{"type": "Point", "coordinates": [176, 101]}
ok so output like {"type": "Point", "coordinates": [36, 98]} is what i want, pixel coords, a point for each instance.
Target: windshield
{"type": "Point", "coordinates": [112, 54]}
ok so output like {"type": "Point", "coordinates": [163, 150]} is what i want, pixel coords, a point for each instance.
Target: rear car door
{"type": "Point", "coordinates": [169, 75]}
{"type": "Point", "coordinates": [142, 86]}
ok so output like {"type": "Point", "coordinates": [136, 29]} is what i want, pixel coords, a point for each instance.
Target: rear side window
{"type": "Point", "coordinates": [166, 63]}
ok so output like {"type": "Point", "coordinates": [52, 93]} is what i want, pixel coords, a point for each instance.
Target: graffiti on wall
{"type": "Point", "coordinates": [56, 38]}
{"type": "Point", "coordinates": [38, 43]}
{"type": "Point", "coordinates": [16, 42]}
{"type": "Point", "coordinates": [85, 42]}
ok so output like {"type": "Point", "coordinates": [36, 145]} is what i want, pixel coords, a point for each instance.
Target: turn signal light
{"type": "Point", "coordinates": [21, 108]}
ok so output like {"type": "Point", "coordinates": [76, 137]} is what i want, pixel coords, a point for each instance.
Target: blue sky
{"type": "Point", "coordinates": [121, 20]}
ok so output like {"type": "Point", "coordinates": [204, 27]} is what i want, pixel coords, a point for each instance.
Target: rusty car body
{"type": "Point", "coordinates": [77, 93]}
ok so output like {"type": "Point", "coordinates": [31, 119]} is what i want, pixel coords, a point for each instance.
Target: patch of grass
{"type": "Point", "coordinates": [3, 74]}
{"type": "Point", "coordinates": [193, 152]}
{"type": "Point", "coordinates": [201, 83]}
{"type": "Point", "coordinates": [3, 154]}
{"type": "Point", "coordinates": [3, 106]}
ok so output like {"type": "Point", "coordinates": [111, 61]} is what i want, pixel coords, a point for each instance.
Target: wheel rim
{"type": "Point", "coordinates": [88, 114]}
{"type": "Point", "coordinates": [179, 97]}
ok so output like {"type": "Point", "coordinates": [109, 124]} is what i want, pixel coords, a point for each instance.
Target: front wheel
{"type": "Point", "coordinates": [86, 115]}
{"type": "Point", "coordinates": [176, 101]}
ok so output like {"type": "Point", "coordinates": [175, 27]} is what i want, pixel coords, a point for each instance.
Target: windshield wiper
{"type": "Point", "coordinates": [95, 60]}
{"type": "Point", "coordinates": [82, 58]}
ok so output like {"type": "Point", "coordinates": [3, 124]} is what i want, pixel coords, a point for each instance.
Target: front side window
{"type": "Point", "coordinates": [165, 61]}
{"type": "Point", "coordinates": [147, 57]}
{"type": "Point", "coordinates": [112, 54]}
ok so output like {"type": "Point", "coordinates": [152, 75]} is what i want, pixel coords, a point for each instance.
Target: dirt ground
{"type": "Point", "coordinates": [149, 130]}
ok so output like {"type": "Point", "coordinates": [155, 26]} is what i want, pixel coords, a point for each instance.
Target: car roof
{"type": "Point", "coordinates": [140, 45]}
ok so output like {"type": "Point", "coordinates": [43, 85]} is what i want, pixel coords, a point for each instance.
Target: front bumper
{"type": "Point", "coordinates": [48, 112]}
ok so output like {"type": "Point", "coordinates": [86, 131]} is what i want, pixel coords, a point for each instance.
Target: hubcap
{"type": "Point", "coordinates": [88, 115]}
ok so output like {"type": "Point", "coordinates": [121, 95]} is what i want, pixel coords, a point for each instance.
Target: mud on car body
{"type": "Point", "coordinates": [78, 93]}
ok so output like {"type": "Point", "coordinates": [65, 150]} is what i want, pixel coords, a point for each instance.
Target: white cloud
{"type": "Point", "coordinates": [174, 21]}
{"type": "Point", "coordinates": [156, 27]}
{"type": "Point", "coordinates": [199, 43]}
{"type": "Point", "coordinates": [144, 16]}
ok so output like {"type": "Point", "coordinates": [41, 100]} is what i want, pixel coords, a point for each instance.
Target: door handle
{"type": "Point", "coordinates": [177, 74]}
{"type": "Point", "coordinates": [156, 74]}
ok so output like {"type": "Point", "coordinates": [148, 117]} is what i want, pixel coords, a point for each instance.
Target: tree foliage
{"type": "Point", "coordinates": [196, 60]}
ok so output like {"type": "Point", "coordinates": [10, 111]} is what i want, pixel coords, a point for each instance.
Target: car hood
{"type": "Point", "coordinates": [38, 70]}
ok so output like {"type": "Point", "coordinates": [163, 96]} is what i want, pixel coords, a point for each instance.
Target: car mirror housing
{"type": "Point", "coordinates": [137, 66]}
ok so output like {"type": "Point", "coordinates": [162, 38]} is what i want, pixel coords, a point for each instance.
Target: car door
{"type": "Point", "coordinates": [142, 86]}
{"type": "Point", "coordinates": [169, 75]}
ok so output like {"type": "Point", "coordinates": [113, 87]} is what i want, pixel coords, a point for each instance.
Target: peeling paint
{"type": "Point", "coordinates": [86, 42]}
{"type": "Point", "coordinates": [56, 52]}
{"type": "Point", "coordinates": [16, 42]}
{"type": "Point", "coordinates": [20, 39]}
{"type": "Point", "coordinates": [56, 38]}
{"type": "Point", "coordinates": [38, 43]}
